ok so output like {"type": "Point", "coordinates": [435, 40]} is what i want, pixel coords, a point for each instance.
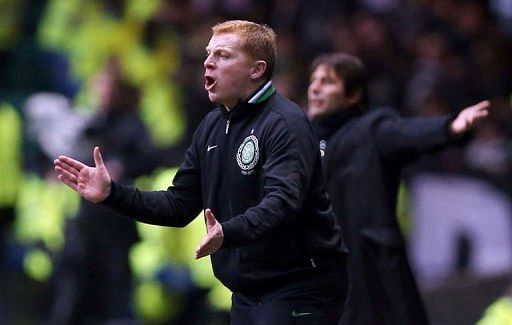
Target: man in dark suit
{"type": "Point", "coordinates": [363, 153]}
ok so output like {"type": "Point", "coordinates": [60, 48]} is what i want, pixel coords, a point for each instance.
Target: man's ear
{"type": "Point", "coordinates": [355, 97]}
{"type": "Point", "coordinates": [258, 69]}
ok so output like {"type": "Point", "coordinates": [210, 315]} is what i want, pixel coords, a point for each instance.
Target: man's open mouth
{"type": "Point", "coordinates": [209, 82]}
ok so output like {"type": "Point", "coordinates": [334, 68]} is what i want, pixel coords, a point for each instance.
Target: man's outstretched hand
{"type": "Point", "coordinates": [214, 237]}
{"type": "Point", "coordinates": [92, 183]}
{"type": "Point", "coordinates": [470, 117]}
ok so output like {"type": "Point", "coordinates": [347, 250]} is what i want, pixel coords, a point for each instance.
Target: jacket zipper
{"type": "Point", "coordinates": [227, 126]}
{"type": "Point", "coordinates": [228, 183]}
{"type": "Point", "coordinates": [227, 159]}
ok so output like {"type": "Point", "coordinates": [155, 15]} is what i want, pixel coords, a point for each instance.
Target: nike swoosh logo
{"type": "Point", "coordinates": [211, 147]}
{"type": "Point", "coordinates": [297, 314]}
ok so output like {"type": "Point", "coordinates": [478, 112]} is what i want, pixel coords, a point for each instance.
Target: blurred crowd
{"type": "Point", "coordinates": [424, 57]}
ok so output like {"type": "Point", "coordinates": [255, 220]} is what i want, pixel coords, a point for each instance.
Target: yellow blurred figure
{"type": "Point", "coordinates": [10, 155]}
{"type": "Point", "coordinates": [87, 34]}
{"type": "Point", "coordinates": [175, 246]}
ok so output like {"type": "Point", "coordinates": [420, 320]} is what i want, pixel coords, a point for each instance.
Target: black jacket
{"type": "Point", "coordinates": [258, 169]}
{"type": "Point", "coordinates": [363, 158]}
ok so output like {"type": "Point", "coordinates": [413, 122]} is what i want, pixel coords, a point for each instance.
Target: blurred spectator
{"type": "Point", "coordinates": [93, 282]}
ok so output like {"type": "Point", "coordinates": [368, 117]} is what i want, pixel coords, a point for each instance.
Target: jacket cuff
{"type": "Point", "coordinates": [448, 130]}
{"type": "Point", "coordinates": [111, 198]}
{"type": "Point", "coordinates": [228, 229]}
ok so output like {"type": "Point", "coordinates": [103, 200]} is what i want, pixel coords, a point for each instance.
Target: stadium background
{"type": "Point", "coordinates": [425, 57]}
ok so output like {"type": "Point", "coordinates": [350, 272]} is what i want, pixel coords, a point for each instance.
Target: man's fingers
{"type": "Point", "coordinates": [481, 115]}
{"type": "Point", "coordinates": [199, 253]}
{"type": "Point", "coordinates": [69, 183]}
{"type": "Point", "coordinates": [66, 167]}
{"type": "Point", "coordinates": [203, 251]}
{"type": "Point", "coordinates": [67, 175]}
{"type": "Point", "coordinates": [98, 160]}
{"type": "Point", "coordinates": [202, 248]}
{"type": "Point", "coordinates": [482, 106]}
{"type": "Point", "coordinates": [71, 162]}
{"type": "Point", "coordinates": [480, 111]}
{"type": "Point", "coordinates": [210, 218]}
{"type": "Point", "coordinates": [473, 115]}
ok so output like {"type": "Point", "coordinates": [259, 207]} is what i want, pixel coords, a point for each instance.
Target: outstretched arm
{"type": "Point", "coordinates": [92, 183]}
{"type": "Point", "coordinates": [406, 138]}
{"type": "Point", "coordinates": [469, 117]}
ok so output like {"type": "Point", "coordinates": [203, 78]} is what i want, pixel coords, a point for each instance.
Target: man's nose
{"type": "Point", "coordinates": [208, 62]}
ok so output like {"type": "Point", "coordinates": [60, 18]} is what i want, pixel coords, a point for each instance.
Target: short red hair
{"type": "Point", "coordinates": [257, 40]}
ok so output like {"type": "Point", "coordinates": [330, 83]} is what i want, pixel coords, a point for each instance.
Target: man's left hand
{"type": "Point", "coordinates": [214, 237]}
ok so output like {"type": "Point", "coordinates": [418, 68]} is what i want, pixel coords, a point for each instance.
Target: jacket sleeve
{"type": "Point", "coordinates": [176, 207]}
{"type": "Point", "coordinates": [290, 157]}
{"type": "Point", "coordinates": [401, 138]}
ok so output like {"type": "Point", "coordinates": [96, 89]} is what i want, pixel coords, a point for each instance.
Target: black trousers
{"type": "Point", "coordinates": [314, 299]}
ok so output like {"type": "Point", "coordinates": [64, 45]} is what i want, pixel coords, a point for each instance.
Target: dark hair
{"type": "Point", "coordinates": [350, 70]}
{"type": "Point", "coordinates": [125, 96]}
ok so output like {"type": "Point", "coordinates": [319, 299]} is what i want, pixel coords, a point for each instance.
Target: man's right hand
{"type": "Point", "coordinates": [470, 117]}
{"type": "Point", "coordinates": [92, 183]}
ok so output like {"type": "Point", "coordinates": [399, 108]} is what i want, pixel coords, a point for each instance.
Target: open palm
{"type": "Point", "coordinates": [92, 183]}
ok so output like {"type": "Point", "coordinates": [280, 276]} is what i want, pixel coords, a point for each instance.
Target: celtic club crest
{"type": "Point", "coordinates": [248, 154]}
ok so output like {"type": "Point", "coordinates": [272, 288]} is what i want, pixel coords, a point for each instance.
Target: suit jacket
{"type": "Point", "coordinates": [362, 159]}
